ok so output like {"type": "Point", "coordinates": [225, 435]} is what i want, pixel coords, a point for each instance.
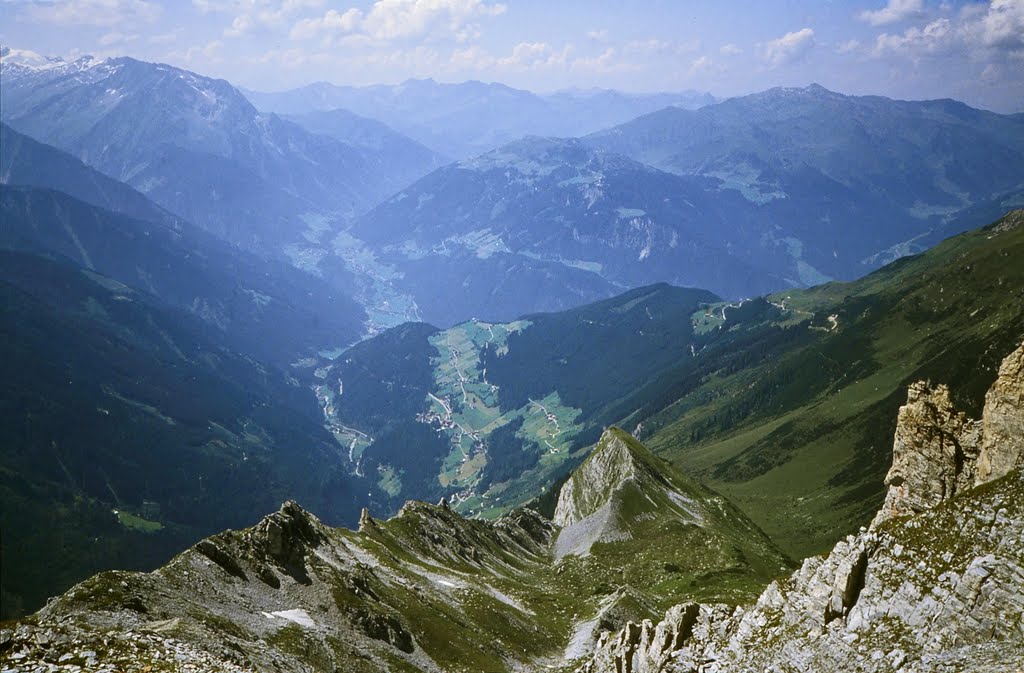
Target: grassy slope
{"type": "Point", "coordinates": [801, 435]}
{"type": "Point", "coordinates": [678, 539]}
{"type": "Point", "coordinates": [509, 407]}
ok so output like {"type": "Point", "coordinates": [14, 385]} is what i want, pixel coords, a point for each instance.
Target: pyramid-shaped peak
{"type": "Point", "coordinates": [617, 459]}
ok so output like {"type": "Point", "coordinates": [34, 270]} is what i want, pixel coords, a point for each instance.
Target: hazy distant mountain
{"type": "Point", "coordinates": [197, 147]}
{"type": "Point", "coordinates": [24, 161]}
{"type": "Point", "coordinates": [267, 309]}
{"type": "Point", "coordinates": [468, 118]}
{"type": "Point", "coordinates": [854, 180]}
{"type": "Point", "coordinates": [403, 158]}
{"type": "Point", "coordinates": [790, 187]}
{"type": "Point", "coordinates": [562, 203]}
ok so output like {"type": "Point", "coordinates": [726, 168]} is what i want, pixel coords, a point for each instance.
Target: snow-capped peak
{"type": "Point", "coordinates": [29, 60]}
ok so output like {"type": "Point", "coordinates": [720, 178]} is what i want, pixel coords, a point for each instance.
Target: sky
{"type": "Point", "coordinates": [970, 50]}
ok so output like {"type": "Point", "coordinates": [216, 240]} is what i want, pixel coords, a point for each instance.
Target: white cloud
{"type": "Point", "coordinates": [103, 13]}
{"type": "Point", "coordinates": [598, 34]}
{"type": "Point", "coordinates": [403, 19]}
{"type": "Point", "coordinates": [980, 32]}
{"type": "Point", "coordinates": [936, 36]}
{"type": "Point", "coordinates": [658, 46]}
{"type": "Point", "coordinates": [730, 50]}
{"type": "Point", "coordinates": [893, 12]}
{"type": "Point", "coordinates": [608, 61]}
{"type": "Point", "coordinates": [165, 38]}
{"type": "Point", "coordinates": [470, 58]}
{"type": "Point", "coordinates": [331, 23]}
{"type": "Point", "coordinates": [787, 49]}
{"type": "Point", "coordinates": [535, 56]}
{"type": "Point", "coordinates": [116, 37]}
{"type": "Point", "coordinates": [252, 15]}
{"type": "Point", "coordinates": [650, 45]}
{"type": "Point", "coordinates": [396, 20]}
{"type": "Point", "coordinates": [701, 65]}
{"type": "Point", "coordinates": [205, 54]}
{"type": "Point", "coordinates": [848, 47]}
{"type": "Point", "coordinates": [1002, 27]}
{"type": "Point", "coordinates": [289, 58]}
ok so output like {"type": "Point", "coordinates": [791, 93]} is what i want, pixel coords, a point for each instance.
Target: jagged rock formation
{"type": "Point", "coordinates": [1002, 442]}
{"type": "Point", "coordinates": [412, 593]}
{"type": "Point", "coordinates": [936, 583]}
{"type": "Point", "coordinates": [935, 453]}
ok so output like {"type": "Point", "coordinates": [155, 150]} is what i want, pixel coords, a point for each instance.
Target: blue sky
{"type": "Point", "coordinates": [970, 50]}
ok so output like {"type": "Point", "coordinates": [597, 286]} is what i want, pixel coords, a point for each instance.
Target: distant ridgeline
{"type": "Point", "coordinates": [788, 187]}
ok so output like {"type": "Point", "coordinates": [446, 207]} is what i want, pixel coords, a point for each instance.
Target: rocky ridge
{"type": "Point", "coordinates": [426, 590]}
{"type": "Point", "coordinates": [935, 584]}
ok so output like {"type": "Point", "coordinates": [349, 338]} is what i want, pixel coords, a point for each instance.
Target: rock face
{"type": "Point", "coordinates": [936, 583]}
{"type": "Point", "coordinates": [934, 453]}
{"type": "Point", "coordinates": [1002, 441]}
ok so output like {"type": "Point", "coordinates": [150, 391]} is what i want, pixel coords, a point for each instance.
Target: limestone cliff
{"type": "Point", "coordinates": [936, 583]}
{"type": "Point", "coordinates": [1002, 440]}
{"type": "Point", "coordinates": [934, 453]}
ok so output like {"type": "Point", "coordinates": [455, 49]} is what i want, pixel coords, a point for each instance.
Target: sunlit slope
{"type": "Point", "coordinates": [791, 412]}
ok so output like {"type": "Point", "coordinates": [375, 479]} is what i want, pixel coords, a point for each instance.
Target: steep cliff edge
{"type": "Point", "coordinates": [936, 583]}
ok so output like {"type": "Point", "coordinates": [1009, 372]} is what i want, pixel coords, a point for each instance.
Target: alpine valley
{"type": "Point", "coordinates": [697, 385]}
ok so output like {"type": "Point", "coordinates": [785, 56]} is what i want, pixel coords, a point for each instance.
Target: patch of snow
{"type": "Point", "coordinates": [30, 60]}
{"type": "Point", "coordinates": [297, 615]}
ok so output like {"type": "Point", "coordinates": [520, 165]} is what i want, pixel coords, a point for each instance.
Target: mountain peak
{"type": "Point", "coordinates": [617, 459]}
{"type": "Point", "coordinates": [619, 488]}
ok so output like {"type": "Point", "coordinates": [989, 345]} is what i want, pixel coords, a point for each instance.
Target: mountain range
{"type": "Point", "coordinates": [862, 170]}
{"type": "Point", "coordinates": [469, 118]}
{"type": "Point", "coordinates": [198, 148]}
{"type": "Point", "coordinates": [785, 188]}
{"type": "Point", "coordinates": [55, 205]}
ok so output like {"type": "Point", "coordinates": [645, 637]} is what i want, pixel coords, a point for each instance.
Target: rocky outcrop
{"type": "Point", "coordinates": [934, 453]}
{"type": "Point", "coordinates": [1002, 440]}
{"type": "Point", "coordinates": [936, 583]}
